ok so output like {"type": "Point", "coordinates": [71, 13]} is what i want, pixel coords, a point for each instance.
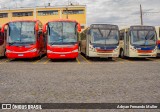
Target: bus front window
{"type": "Point", "coordinates": [104, 36]}
{"type": "Point", "coordinates": [143, 38]}
{"type": "Point", "coordinates": [21, 32]}
{"type": "Point", "coordinates": [62, 33]}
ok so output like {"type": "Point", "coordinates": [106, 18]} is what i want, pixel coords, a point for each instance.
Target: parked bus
{"type": "Point", "coordinates": [100, 40]}
{"type": "Point", "coordinates": [158, 41]}
{"type": "Point", "coordinates": [138, 41]}
{"type": "Point", "coordinates": [24, 39]}
{"type": "Point", "coordinates": [62, 39]}
{"type": "Point", "coordinates": [2, 43]}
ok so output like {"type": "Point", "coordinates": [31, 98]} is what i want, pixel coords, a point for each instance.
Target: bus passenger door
{"type": "Point", "coordinates": [126, 44]}
{"type": "Point", "coordinates": [2, 46]}
{"type": "Point", "coordinates": [88, 42]}
{"type": "Point", "coordinates": [83, 42]}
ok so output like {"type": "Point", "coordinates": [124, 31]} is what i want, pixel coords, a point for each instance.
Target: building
{"type": "Point", "coordinates": [44, 14]}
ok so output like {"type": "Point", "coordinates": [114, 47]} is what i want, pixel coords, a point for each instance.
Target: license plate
{"type": "Point", "coordinates": [20, 55]}
{"type": "Point", "coordinates": [62, 55]}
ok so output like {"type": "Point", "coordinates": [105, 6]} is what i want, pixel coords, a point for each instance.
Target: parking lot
{"type": "Point", "coordinates": [80, 60]}
{"type": "Point", "coordinates": [80, 81]}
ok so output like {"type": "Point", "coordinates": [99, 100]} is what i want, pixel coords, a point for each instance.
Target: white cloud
{"type": "Point", "coordinates": [121, 12]}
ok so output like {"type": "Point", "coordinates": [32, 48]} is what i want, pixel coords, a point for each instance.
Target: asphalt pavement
{"type": "Point", "coordinates": [80, 81]}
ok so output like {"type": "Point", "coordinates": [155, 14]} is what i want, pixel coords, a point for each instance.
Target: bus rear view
{"type": "Point", "coordinates": [62, 37]}
{"type": "Point", "coordinates": [100, 40]}
{"type": "Point", "coordinates": [24, 39]}
{"type": "Point", "coordinates": [138, 41]}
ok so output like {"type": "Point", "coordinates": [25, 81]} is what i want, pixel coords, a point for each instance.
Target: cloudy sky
{"type": "Point", "coordinates": [121, 12]}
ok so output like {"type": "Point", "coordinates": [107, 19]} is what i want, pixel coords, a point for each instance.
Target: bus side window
{"type": "Point", "coordinates": [89, 32]}
{"type": "Point", "coordinates": [82, 36]}
{"type": "Point", "coordinates": [127, 36]}
{"type": "Point", "coordinates": [122, 36]}
{"type": "Point", "coordinates": [85, 34]}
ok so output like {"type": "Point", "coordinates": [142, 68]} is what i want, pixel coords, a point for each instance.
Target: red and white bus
{"type": "Point", "coordinates": [24, 39]}
{"type": "Point", "coordinates": [62, 39]}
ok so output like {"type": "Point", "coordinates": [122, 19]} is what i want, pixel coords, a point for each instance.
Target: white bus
{"type": "Point", "coordinates": [138, 41]}
{"type": "Point", "coordinates": [2, 43]}
{"type": "Point", "coordinates": [100, 40]}
{"type": "Point", "coordinates": [158, 41]}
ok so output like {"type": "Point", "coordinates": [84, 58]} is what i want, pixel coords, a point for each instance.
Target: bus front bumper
{"type": "Point", "coordinates": [143, 55]}
{"type": "Point", "coordinates": [62, 55]}
{"type": "Point", "coordinates": [158, 53]}
{"type": "Point", "coordinates": [104, 55]}
{"type": "Point", "coordinates": [22, 55]}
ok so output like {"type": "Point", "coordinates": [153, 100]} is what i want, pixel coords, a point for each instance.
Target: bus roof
{"type": "Point", "coordinates": [24, 21]}
{"type": "Point", "coordinates": [139, 27]}
{"type": "Point", "coordinates": [63, 20]}
{"type": "Point", "coordinates": [107, 26]}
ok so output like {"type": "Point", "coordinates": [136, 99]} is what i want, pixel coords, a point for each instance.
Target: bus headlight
{"type": "Point", "coordinates": [8, 51]}
{"type": "Point", "coordinates": [33, 50]}
{"type": "Point", "coordinates": [91, 48]}
{"type": "Point", "coordinates": [117, 49]}
{"type": "Point", "coordinates": [49, 51]}
{"type": "Point", "coordinates": [97, 47]}
{"type": "Point", "coordinates": [133, 49]}
{"type": "Point", "coordinates": [155, 50]}
{"type": "Point", "coordinates": [75, 51]}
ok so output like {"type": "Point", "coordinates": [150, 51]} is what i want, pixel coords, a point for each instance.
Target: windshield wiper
{"type": "Point", "coordinates": [100, 32]}
{"type": "Point", "coordinates": [11, 43]}
{"type": "Point", "coordinates": [147, 35]}
{"type": "Point", "coordinates": [146, 38]}
{"type": "Point", "coordinates": [108, 34]}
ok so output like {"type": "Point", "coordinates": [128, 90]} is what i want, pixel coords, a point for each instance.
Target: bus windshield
{"type": "Point", "coordinates": [104, 36]}
{"type": "Point", "coordinates": [21, 32]}
{"type": "Point", "coordinates": [62, 33]}
{"type": "Point", "coordinates": [143, 38]}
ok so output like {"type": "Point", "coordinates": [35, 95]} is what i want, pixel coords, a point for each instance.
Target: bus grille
{"type": "Point", "coordinates": [144, 51]}
{"type": "Point", "coordinates": [104, 51]}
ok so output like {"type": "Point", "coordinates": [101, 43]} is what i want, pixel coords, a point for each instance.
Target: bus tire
{"type": "Point", "coordinates": [87, 57]}
{"type": "Point", "coordinates": [122, 54]}
{"type": "Point", "coordinates": [79, 48]}
{"type": "Point", "coordinates": [4, 55]}
{"type": "Point", "coordinates": [110, 58]}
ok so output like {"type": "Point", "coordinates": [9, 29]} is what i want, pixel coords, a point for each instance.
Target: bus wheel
{"type": "Point", "coordinates": [122, 54]}
{"type": "Point", "coordinates": [87, 57]}
{"type": "Point", "coordinates": [39, 57]}
{"type": "Point", "coordinates": [110, 58]}
{"type": "Point", "coordinates": [79, 49]}
{"type": "Point", "coordinates": [5, 54]}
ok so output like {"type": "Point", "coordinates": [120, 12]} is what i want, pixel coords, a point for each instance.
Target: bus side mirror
{"type": "Point", "coordinates": [89, 32]}
{"type": "Point", "coordinates": [3, 28]}
{"type": "Point", "coordinates": [40, 32]}
{"type": "Point", "coordinates": [45, 28]}
{"type": "Point", "coordinates": [158, 42]}
{"type": "Point", "coordinates": [129, 33]}
{"type": "Point", "coordinates": [37, 27]}
{"type": "Point", "coordinates": [79, 27]}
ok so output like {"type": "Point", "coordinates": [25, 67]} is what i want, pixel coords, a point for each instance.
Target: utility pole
{"type": "Point", "coordinates": [35, 5]}
{"type": "Point", "coordinates": [141, 14]}
{"type": "Point", "coordinates": [67, 9]}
